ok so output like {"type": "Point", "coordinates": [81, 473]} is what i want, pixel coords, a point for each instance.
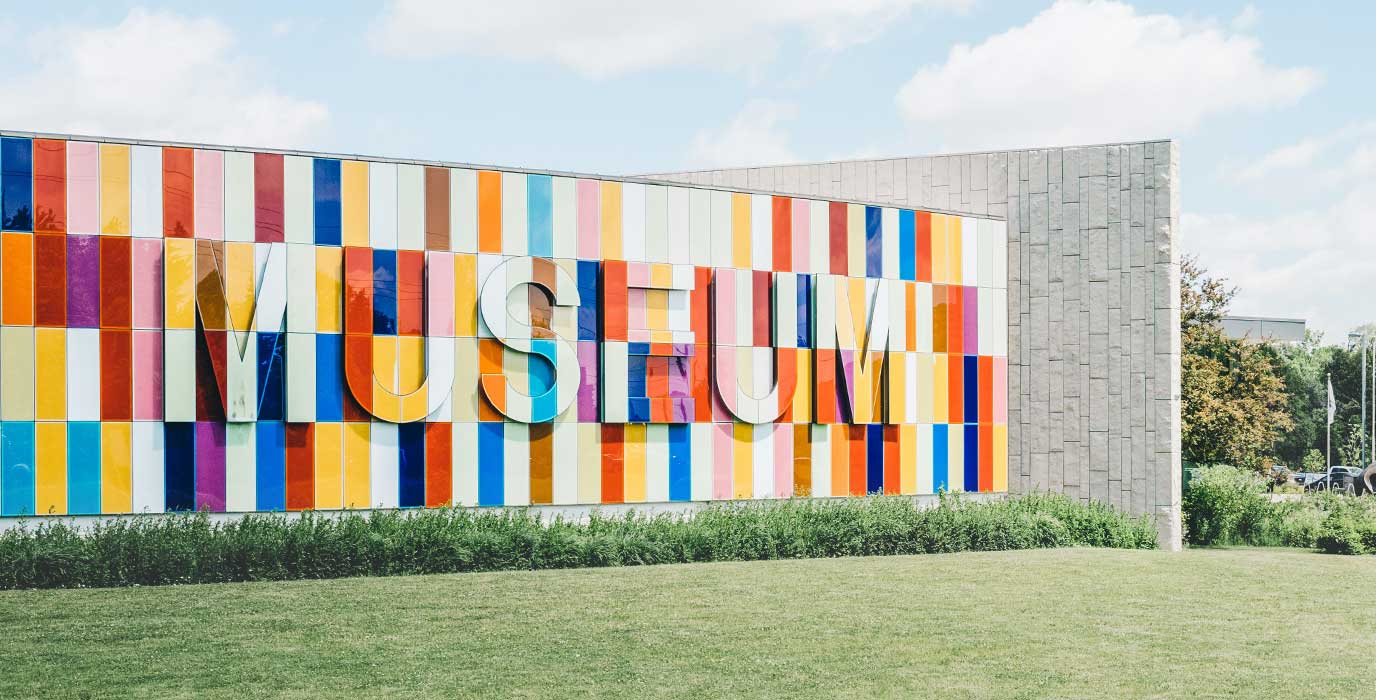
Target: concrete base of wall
{"type": "Point", "coordinates": [1169, 530]}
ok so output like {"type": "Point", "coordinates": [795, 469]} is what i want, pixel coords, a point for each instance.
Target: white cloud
{"type": "Point", "coordinates": [1087, 72]}
{"type": "Point", "coordinates": [753, 137]}
{"type": "Point", "coordinates": [1333, 158]}
{"type": "Point", "coordinates": [1247, 18]}
{"type": "Point", "coordinates": [602, 38]}
{"type": "Point", "coordinates": [154, 75]}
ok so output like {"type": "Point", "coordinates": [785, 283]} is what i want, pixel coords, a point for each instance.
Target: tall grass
{"type": "Point", "coordinates": [190, 548]}
{"type": "Point", "coordinates": [1226, 505]}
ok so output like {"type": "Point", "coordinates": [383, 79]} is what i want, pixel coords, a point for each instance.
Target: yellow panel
{"type": "Point", "coordinates": [661, 275]}
{"type": "Point", "coordinates": [840, 460]}
{"type": "Point", "coordinates": [802, 394]}
{"type": "Point", "coordinates": [634, 445]}
{"type": "Point", "coordinates": [898, 382]}
{"type": "Point", "coordinates": [740, 230]}
{"type": "Point", "coordinates": [114, 189]}
{"type": "Point", "coordinates": [466, 296]}
{"type": "Point", "coordinates": [50, 466]}
{"type": "Point", "coordinates": [939, 248]}
{"type": "Point", "coordinates": [329, 289]}
{"type": "Point", "coordinates": [357, 484]}
{"type": "Point", "coordinates": [385, 406]}
{"type": "Point", "coordinates": [16, 373]}
{"type": "Point", "coordinates": [464, 400]}
{"type": "Point", "coordinates": [907, 458]}
{"type": "Point", "coordinates": [51, 390]}
{"type": "Point", "coordinates": [611, 220]}
{"type": "Point", "coordinates": [924, 380]}
{"type": "Point", "coordinates": [855, 240]}
{"type": "Point", "coordinates": [589, 463]}
{"type": "Point", "coordinates": [657, 309]}
{"type": "Point", "coordinates": [953, 249]}
{"type": "Point", "coordinates": [329, 466]}
{"type": "Point", "coordinates": [115, 493]}
{"type": "Point", "coordinates": [353, 194]}
{"type": "Point", "coordinates": [1000, 458]}
{"type": "Point", "coordinates": [179, 271]}
{"type": "Point", "coordinates": [411, 352]}
{"type": "Point", "coordinates": [741, 457]}
{"type": "Point", "coordinates": [939, 387]}
{"type": "Point", "coordinates": [239, 284]}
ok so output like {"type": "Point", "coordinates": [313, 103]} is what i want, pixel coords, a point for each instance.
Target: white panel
{"type": "Point", "coordinates": [923, 314]}
{"type": "Point", "coordinates": [565, 462]}
{"type": "Point", "coordinates": [680, 226]}
{"type": "Point", "coordinates": [515, 223]}
{"type": "Point", "coordinates": [821, 460]}
{"type": "Point", "coordinates": [998, 317]}
{"type": "Point", "coordinates": [145, 191]}
{"type": "Point", "coordinates": [463, 210]}
{"type": "Point", "coordinates": [819, 236]}
{"type": "Point", "coordinates": [440, 362]}
{"type": "Point", "coordinates": [983, 320]}
{"type": "Point", "coordinates": [146, 458]}
{"type": "Point", "coordinates": [271, 272]}
{"type": "Point", "coordinates": [969, 252]}
{"type": "Point", "coordinates": [382, 208]}
{"type": "Point", "coordinates": [565, 218]}
{"type": "Point", "coordinates": [762, 460]}
{"type": "Point", "coordinates": [701, 460]}
{"type": "Point", "coordinates": [924, 459]}
{"type": "Point", "coordinates": [239, 211]}
{"type": "Point", "coordinates": [465, 470]}
{"type": "Point", "coordinates": [241, 377]}
{"type": "Point", "coordinates": [241, 467]}
{"type": "Point", "coordinates": [487, 264]}
{"type": "Point", "coordinates": [633, 222]}
{"type": "Point", "coordinates": [700, 223]}
{"type": "Point", "coordinates": [889, 236]}
{"type": "Point", "coordinates": [385, 477]}
{"type": "Point", "coordinates": [657, 463]}
{"type": "Point", "coordinates": [656, 224]}
{"type": "Point", "coordinates": [298, 199]}
{"type": "Point", "coordinates": [301, 310]}
{"type": "Point", "coordinates": [410, 207]}
{"type": "Point", "coordinates": [721, 229]}
{"type": "Point", "coordinates": [1000, 255]}
{"type": "Point", "coordinates": [761, 232]}
{"type": "Point", "coordinates": [300, 360]}
{"type": "Point", "coordinates": [83, 374]}
{"type": "Point", "coordinates": [987, 247]}
{"type": "Point", "coordinates": [516, 467]}
{"type": "Point", "coordinates": [913, 387]}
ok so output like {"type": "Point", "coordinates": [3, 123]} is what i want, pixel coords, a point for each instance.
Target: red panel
{"type": "Point", "coordinates": [836, 219]}
{"type": "Point", "coordinates": [923, 224]}
{"type": "Point", "coordinates": [116, 382]}
{"type": "Point", "coordinates": [489, 362]}
{"type": "Point", "coordinates": [614, 300]}
{"type": "Point", "coordinates": [986, 457]}
{"type": "Point", "coordinates": [267, 197]}
{"type": "Point", "coordinates": [210, 378]}
{"type": "Point", "coordinates": [783, 234]}
{"type": "Point", "coordinates": [786, 373]}
{"type": "Point", "coordinates": [439, 464]}
{"type": "Point", "coordinates": [702, 281]}
{"type": "Point", "coordinates": [701, 381]}
{"type": "Point", "coordinates": [411, 292]}
{"type": "Point", "coordinates": [50, 279]}
{"type": "Point", "coordinates": [613, 465]}
{"type": "Point", "coordinates": [50, 186]}
{"type": "Point", "coordinates": [955, 391]}
{"type": "Point", "coordinates": [759, 323]}
{"type": "Point", "coordinates": [358, 369]}
{"type": "Point", "coordinates": [300, 466]}
{"type": "Point", "coordinates": [358, 290]}
{"type": "Point", "coordinates": [939, 314]}
{"type": "Point", "coordinates": [955, 317]}
{"type": "Point", "coordinates": [858, 465]}
{"type": "Point", "coordinates": [892, 477]}
{"type": "Point", "coordinates": [116, 282]}
{"type": "Point", "coordinates": [824, 387]}
{"type": "Point", "coordinates": [178, 192]}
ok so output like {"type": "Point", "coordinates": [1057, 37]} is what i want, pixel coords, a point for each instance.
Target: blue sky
{"type": "Point", "coordinates": [1270, 101]}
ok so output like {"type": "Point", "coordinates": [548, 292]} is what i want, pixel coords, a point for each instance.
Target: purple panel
{"type": "Point", "coordinates": [83, 281]}
{"type": "Point", "coordinates": [970, 324]}
{"type": "Point", "coordinates": [587, 387]}
{"type": "Point", "coordinates": [210, 466]}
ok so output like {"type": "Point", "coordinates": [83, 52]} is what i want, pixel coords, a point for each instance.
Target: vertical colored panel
{"type": "Point", "coordinates": [613, 469]}
{"type": "Point", "coordinates": [16, 279]}
{"type": "Point", "coordinates": [439, 465]}
{"type": "Point", "coordinates": [437, 208]}
{"type": "Point", "coordinates": [874, 250]}
{"type": "Point", "coordinates": [542, 463]}
{"type": "Point", "coordinates": [50, 187]}
{"type": "Point", "coordinates": [939, 458]}
{"type": "Point", "coordinates": [300, 449]}
{"type": "Point", "coordinates": [16, 185]}
{"type": "Point", "coordinates": [325, 175]}
{"type": "Point", "coordinates": [50, 468]}
{"type": "Point", "coordinates": [270, 445]}
{"type": "Point", "coordinates": [411, 465]}
{"type": "Point", "coordinates": [783, 234]}
{"type": "Point", "coordinates": [116, 283]}
{"type": "Point", "coordinates": [874, 458]}
{"type": "Point", "coordinates": [907, 245]}
{"type": "Point", "coordinates": [50, 279]}
{"type": "Point", "coordinates": [353, 189]}
{"type": "Point", "coordinates": [116, 363]}
{"type": "Point", "coordinates": [357, 484]}
{"type": "Point", "coordinates": [269, 209]}
{"type": "Point", "coordinates": [116, 492]}
{"type": "Point", "coordinates": [209, 186]}
{"type": "Point", "coordinates": [922, 244]}
{"type": "Point", "coordinates": [114, 189]}
{"type": "Point", "coordinates": [609, 217]}
{"type": "Point", "coordinates": [329, 466]}
{"type": "Point", "coordinates": [489, 212]}
{"type": "Point", "coordinates": [540, 215]}
{"type": "Point", "coordinates": [970, 375]}
{"type": "Point", "coordinates": [971, 454]}
{"type": "Point", "coordinates": [148, 378]}
{"type": "Point", "coordinates": [18, 362]}
{"type": "Point", "coordinates": [17, 468]}
{"type": "Point", "coordinates": [491, 447]}
{"type": "Point", "coordinates": [680, 463]}
{"type": "Point", "coordinates": [83, 281]}
{"type": "Point", "coordinates": [83, 187]}
{"type": "Point", "coordinates": [210, 466]}
{"type": "Point", "coordinates": [178, 192]}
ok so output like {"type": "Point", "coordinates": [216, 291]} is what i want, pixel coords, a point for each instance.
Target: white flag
{"type": "Point", "coordinates": [1332, 405]}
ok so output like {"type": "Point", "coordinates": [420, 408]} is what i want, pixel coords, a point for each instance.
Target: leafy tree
{"type": "Point", "coordinates": [1234, 404]}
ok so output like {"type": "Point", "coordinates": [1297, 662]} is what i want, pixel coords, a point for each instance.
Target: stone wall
{"type": "Point", "coordinates": [1093, 299]}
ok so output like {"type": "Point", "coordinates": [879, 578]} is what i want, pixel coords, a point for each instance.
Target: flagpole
{"type": "Point", "coordinates": [1329, 447]}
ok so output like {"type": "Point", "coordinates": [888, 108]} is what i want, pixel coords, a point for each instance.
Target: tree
{"type": "Point", "coordinates": [1233, 399]}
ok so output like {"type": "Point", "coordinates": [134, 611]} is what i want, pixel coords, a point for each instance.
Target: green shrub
{"type": "Point", "coordinates": [1224, 505]}
{"type": "Point", "coordinates": [190, 548]}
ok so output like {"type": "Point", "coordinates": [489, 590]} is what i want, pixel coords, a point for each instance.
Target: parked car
{"type": "Point", "coordinates": [1338, 478]}
{"type": "Point", "coordinates": [1304, 479]}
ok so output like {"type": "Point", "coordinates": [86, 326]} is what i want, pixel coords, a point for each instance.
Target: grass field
{"type": "Point", "coordinates": [1069, 623]}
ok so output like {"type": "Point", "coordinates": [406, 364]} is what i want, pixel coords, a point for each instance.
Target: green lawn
{"type": "Point", "coordinates": [1073, 623]}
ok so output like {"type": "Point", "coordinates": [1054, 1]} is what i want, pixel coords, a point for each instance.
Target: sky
{"type": "Point", "coordinates": [1272, 103]}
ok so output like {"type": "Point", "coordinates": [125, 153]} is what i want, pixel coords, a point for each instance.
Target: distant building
{"type": "Point", "coordinates": [1258, 328]}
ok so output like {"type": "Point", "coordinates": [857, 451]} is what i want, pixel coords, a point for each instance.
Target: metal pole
{"type": "Point", "coordinates": [1329, 433]}
{"type": "Point", "coordinates": [1361, 453]}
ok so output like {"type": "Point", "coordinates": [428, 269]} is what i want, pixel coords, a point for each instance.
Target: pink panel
{"type": "Point", "coordinates": [83, 187]}
{"type": "Point", "coordinates": [724, 301]}
{"type": "Point", "coordinates": [148, 283]}
{"type": "Point", "coordinates": [635, 309]}
{"type": "Point", "coordinates": [1000, 390]}
{"type": "Point", "coordinates": [723, 375]}
{"type": "Point", "coordinates": [783, 460]}
{"type": "Point", "coordinates": [210, 195]}
{"type": "Point", "coordinates": [439, 281]}
{"type": "Point", "coordinates": [589, 231]}
{"type": "Point", "coordinates": [722, 448]}
{"type": "Point", "coordinates": [802, 232]}
{"type": "Point", "coordinates": [148, 375]}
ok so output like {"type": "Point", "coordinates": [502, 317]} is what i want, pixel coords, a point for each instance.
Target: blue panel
{"type": "Point", "coordinates": [271, 403]}
{"type": "Point", "coordinates": [83, 467]}
{"type": "Point", "coordinates": [874, 246]}
{"type": "Point", "coordinates": [328, 219]}
{"type": "Point", "coordinates": [907, 245]}
{"type": "Point", "coordinates": [411, 464]}
{"type": "Point", "coordinates": [540, 366]}
{"type": "Point", "coordinates": [680, 463]}
{"type": "Point", "coordinates": [939, 459]}
{"type": "Point", "coordinates": [637, 410]}
{"type": "Point", "coordinates": [179, 475]}
{"type": "Point", "coordinates": [16, 183]}
{"type": "Point", "coordinates": [271, 448]}
{"type": "Point", "coordinates": [636, 369]}
{"type": "Point", "coordinates": [587, 300]}
{"type": "Point", "coordinates": [16, 467]}
{"type": "Point", "coordinates": [804, 311]}
{"type": "Point", "coordinates": [971, 382]}
{"type": "Point", "coordinates": [329, 377]}
{"type": "Point", "coordinates": [384, 292]}
{"type": "Point", "coordinates": [491, 463]}
{"type": "Point", "coordinates": [971, 458]}
{"type": "Point", "coordinates": [874, 458]}
{"type": "Point", "coordinates": [540, 215]}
